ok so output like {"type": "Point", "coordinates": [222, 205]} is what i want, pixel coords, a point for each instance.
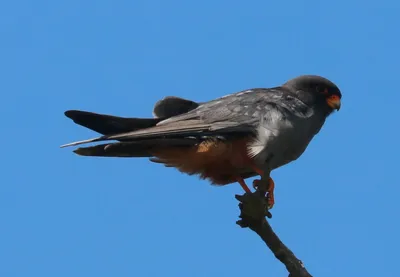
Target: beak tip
{"type": "Point", "coordinates": [334, 102]}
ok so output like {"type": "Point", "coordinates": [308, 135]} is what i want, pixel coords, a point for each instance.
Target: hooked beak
{"type": "Point", "coordinates": [333, 102]}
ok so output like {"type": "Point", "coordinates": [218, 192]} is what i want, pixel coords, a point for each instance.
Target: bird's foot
{"type": "Point", "coordinates": [267, 188]}
{"type": "Point", "coordinates": [253, 207]}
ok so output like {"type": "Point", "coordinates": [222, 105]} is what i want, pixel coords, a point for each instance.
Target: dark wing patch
{"type": "Point", "coordinates": [172, 106]}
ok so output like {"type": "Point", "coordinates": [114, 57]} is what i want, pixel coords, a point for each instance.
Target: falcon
{"type": "Point", "coordinates": [226, 140]}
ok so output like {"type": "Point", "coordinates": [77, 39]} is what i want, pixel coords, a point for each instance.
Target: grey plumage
{"type": "Point", "coordinates": [282, 121]}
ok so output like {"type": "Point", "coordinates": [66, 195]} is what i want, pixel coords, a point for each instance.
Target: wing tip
{"type": "Point", "coordinates": [81, 152]}
{"type": "Point", "coordinates": [82, 142]}
{"type": "Point", "coordinates": [67, 145]}
{"type": "Point", "coordinates": [70, 113]}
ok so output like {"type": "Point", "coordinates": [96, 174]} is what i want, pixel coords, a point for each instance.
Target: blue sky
{"type": "Point", "coordinates": [63, 215]}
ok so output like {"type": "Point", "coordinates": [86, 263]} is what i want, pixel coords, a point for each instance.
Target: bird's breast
{"type": "Point", "coordinates": [287, 144]}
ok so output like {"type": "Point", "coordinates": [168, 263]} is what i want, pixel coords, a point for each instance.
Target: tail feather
{"type": "Point", "coordinates": [137, 149]}
{"type": "Point", "coordinates": [108, 124]}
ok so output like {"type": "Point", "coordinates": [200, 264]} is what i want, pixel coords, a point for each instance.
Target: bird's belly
{"type": "Point", "coordinates": [219, 161]}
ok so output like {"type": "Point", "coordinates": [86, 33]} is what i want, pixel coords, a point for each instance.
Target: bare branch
{"type": "Point", "coordinates": [253, 209]}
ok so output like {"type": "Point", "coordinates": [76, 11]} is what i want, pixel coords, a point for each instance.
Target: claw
{"type": "Point", "coordinates": [270, 200]}
{"type": "Point", "coordinates": [259, 184]}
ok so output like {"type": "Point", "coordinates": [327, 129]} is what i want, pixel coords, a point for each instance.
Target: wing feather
{"type": "Point", "coordinates": [229, 115]}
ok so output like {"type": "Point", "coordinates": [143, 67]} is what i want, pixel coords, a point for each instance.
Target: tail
{"type": "Point", "coordinates": [143, 137]}
{"type": "Point", "coordinates": [108, 124]}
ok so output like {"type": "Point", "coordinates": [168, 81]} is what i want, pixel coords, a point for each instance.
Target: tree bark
{"type": "Point", "coordinates": [253, 209]}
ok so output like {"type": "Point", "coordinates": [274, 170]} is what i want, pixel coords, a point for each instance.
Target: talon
{"type": "Point", "coordinates": [256, 184]}
{"type": "Point", "coordinates": [270, 193]}
{"type": "Point", "coordinates": [261, 185]}
{"type": "Point", "coordinates": [270, 200]}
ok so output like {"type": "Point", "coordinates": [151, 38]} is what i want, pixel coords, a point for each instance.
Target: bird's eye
{"type": "Point", "coordinates": [325, 91]}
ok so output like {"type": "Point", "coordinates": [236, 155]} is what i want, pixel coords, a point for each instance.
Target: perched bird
{"type": "Point", "coordinates": [225, 140]}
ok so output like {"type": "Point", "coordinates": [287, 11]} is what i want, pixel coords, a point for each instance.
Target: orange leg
{"type": "Point", "coordinates": [270, 191]}
{"type": "Point", "coordinates": [270, 188]}
{"type": "Point", "coordinates": [258, 171]}
{"type": "Point", "coordinates": [243, 185]}
{"type": "Point", "coordinates": [270, 195]}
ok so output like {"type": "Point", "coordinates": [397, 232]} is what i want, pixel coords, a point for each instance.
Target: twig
{"type": "Point", "coordinates": [253, 209]}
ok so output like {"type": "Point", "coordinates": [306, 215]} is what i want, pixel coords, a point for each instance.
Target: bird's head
{"type": "Point", "coordinates": [316, 90]}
